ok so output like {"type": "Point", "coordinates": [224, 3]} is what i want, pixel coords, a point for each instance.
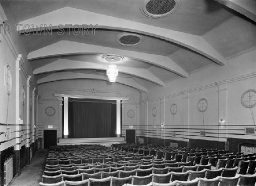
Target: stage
{"type": "Point", "coordinates": [100, 141]}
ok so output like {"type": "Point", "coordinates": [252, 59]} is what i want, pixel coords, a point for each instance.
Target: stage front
{"type": "Point", "coordinates": [102, 141]}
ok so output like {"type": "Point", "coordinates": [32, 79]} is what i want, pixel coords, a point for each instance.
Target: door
{"type": "Point", "coordinates": [50, 138]}
{"type": "Point", "coordinates": [130, 136]}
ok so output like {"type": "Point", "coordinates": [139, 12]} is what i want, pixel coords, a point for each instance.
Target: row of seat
{"type": "Point", "coordinates": [245, 167]}
{"type": "Point", "coordinates": [71, 170]}
{"type": "Point", "coordinates": [152, 180]}
{"type": "Point", "coordinates": [219, 162]}
{"type": "Point", "coordinates": [100, 163]}
{"type": "Point", "coordinates": [182, 176]}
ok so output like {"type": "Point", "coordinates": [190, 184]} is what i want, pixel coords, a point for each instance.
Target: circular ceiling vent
{"type": "Point", "coordinates": [110, 58]}
{"type": "Point", "coordinates": [159, 8]}
{"type": "Point", "coordinates": [128, 39]}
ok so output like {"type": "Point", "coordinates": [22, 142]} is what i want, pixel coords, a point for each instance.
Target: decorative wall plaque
{"type": "Point", "coordinates": [202, 105]}
{"type": "Point", "coordinates": [130, 113]}
{"type": "Point", "coordinates": [154, 112]}
{"type": "Point", "coordinates": [173, 109]}
{"type": "Point", "coordinates": [50, 111]}
{"type": "Point", "coordinates": [8, 79]}
{"type": "Point", "coordinates": [248, 98]}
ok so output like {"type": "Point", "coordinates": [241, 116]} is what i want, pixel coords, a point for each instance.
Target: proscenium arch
{"type": "Point", "coordinates": [64, 64]}
{"type": "Point", "coordinates": [54, 19]}
{"type": "Point", "coordinates": [76, 75]}
{"type": "Point", "coordinates": [65, 47]}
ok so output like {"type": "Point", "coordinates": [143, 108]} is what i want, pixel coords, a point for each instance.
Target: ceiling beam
{"type": "Point", "coordinates": [78, 75]}
{"type": "Point", "coordinates": [58, 20]}
{"type": "Point", "coordinates": [64, 64]}
{"type": "Point", "coordinates": [244, 7]}
{"type": "Point", "coordinates": [72, 48]}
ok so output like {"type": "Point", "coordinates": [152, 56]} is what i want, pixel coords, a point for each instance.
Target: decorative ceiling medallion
{"type": "Point", "coordinates": [159, 8]}
{"type": "Point", "coordinates": [202, 105]}
{"type": "Point", "coordinates": [113, 59]}
{"type": "Point", "coordinates": [128, 39]}
{"type": "Point", "coordinates": [154, 112]}
{"type": "Point", "coordinates": [131, 113]}
{"type": "Point", "coordinates": [8, 79]}
{"type": "Point", "coordinates": [50, 111]}
{"type": "Point", "coordinates": [248, 98]}
{"type": "Point", "coordinates": [173, 109]}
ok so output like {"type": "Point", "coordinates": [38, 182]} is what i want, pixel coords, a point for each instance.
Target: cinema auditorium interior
{"type": "Point", "coordinates": [128, 92]}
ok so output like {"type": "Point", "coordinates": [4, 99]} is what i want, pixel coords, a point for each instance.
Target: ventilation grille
{"type": "Point", "coordinates": [250, 130]}
{"type": "Point", "coordinates": [159, 8]}
{"type": "Point", "coordinates": [129, 39]}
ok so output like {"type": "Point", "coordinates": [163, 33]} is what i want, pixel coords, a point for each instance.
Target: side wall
{"type": "Point", "coordinates": [190, 109]}
{"type": "Point", "coordinates": [17, 98]}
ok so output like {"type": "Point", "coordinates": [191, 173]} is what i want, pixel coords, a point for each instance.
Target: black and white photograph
{"type": "Point", "coordinates": [128, 92]}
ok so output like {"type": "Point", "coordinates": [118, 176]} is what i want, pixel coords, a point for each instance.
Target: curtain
{"type": "Point", "coordinates": [91, 118]}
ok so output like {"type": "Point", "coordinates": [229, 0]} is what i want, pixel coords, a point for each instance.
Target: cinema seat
{"type": "Point", "coordinates": [247, 180]}
{"type": "Point", "coordinates": [62, 183]}
{"type": "Point", "coordinates": [162, 178]}
{"type": "Point", "coordinates": [208, 182]}
{"type": "Point", "coordinates": [180, 176]}
{"type": "Point", "coordinates": [95, 175]}
{"type": "Point", "coordinates": [144, 172]}
{"type": "Point", "coordinates": [123, 174]}
{"type": "Point", "coordinates": [51, 179]}
{"type": "Point", "coordinates": [160, 170]}
{"type": "Point", "coordinates": [142, 180]}
{"type": "Point", "coordinates": [196, 174]}
{"type": "Point", "coordinates": [229, 172]}
{"type": "Point", "coordinates": [121, 181]}
{"type": "Point", "coordinates": [100, 182]}
{"type": "Point", "coordinates": [188, 183]}
{"type": "Point", "coordinates": [213, 173]}
{"type": "Point", "coordinates": [77, 177]}
{"type": "Point", "coordinates": [228, 181]}
{"type": "Point", "coordinates": [77, 183]}
{"type": "Point", "coordinates": [187, 168]}
{"type": "Point", "coordinates": [112, 174]}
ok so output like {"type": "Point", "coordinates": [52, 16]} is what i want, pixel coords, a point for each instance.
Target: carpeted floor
{"type": "Point", "coordinates": [31, 174]}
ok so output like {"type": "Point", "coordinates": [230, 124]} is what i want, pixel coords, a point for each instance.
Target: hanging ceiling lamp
{"type": "Point", "coordinates": [112, 73]}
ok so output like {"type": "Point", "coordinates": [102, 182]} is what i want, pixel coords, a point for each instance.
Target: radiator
{"type": "Point", "coordinates": [8, 171]}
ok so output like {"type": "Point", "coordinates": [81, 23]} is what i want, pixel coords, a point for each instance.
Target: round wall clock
{"type": "Point", "coordinates": [202, 105]}
{"type": "Point", "coordinates": [130, 113]}
{"type": "Point", "coordinates": [50, 111]}
{"type": "Point", "coordinates": [8, 79]}
{"type": "Point", "coordinates": [173, 109]}
{"type": "Point", "coordinates": [154, 111]}
{"type": "Point", "coordinates": [248, 98]}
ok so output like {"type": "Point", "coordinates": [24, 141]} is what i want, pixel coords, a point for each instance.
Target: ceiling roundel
{"type": "Point", "coordinates": [158, 8]}
{"type": "Point", "coordinates": [129, 39]}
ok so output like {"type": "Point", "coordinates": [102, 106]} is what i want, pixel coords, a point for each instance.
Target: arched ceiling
{"type": "Point", "coordinates": [194, 35]}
